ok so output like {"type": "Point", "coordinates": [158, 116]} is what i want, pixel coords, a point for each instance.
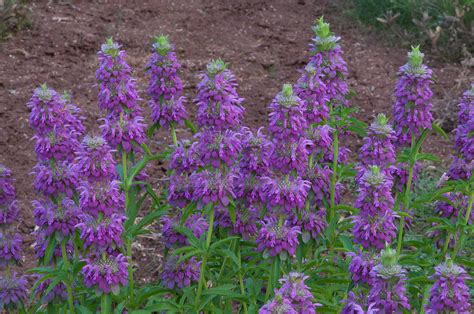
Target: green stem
{"type": "Point", "coordinates": [335, 158]}
{"type": "Point", "coordinates": [173, 134]}
{"type": "Point", "coordinates": [446, 244]}
{"type": "Point", "coordinates": [241, 280]}
{"type": "Point", "coordinates": [406, 199]}
{"type": "Point", "coordinates": [69, 281]}
{"type": "Point", "coordinates": [204, 259]}
{"type": "Point", "coordinates": [105, 304]}
{"type": "Point", "coordinates": [270, 279]}
{"type": "Point", "coordinates": [459, 243]}
{"type": "Point", "coordinates": [130, 271]}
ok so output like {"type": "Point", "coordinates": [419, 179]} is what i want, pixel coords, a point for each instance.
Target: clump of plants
{"type": "Point", "coordinates": [252, 220]}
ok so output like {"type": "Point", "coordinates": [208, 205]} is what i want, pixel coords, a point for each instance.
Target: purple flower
{"type": "Point", "coordinates": [13, 292]}
{"type": "Point", "coordinates": [294, 288]}
{"type": "Point", "coordinates": [182, 159]}
{"type": "Point", "coordinates": [466, 106]}
{"type": "Point", "coordinates": [42, 241]}
{"type": "Point", "coordinates": [360, 267]}
{"type": "Point", "coordinates": [257, 150]}
{"type": "Point", "coordinates": [10, 248]}
{"type": "Point", "coordinates": [289, 156]}
{"type": "Point", "coordinates": [327, 57]}
{"type": "Point", "coordinates": [180, 190]}
{"type": "Point", "coordinates": [374, 230]}
{"type": "Point", "coordinates": [374, 192]}
{"type": "Point", "coordinates": [249, 187]}
{"type": "Point", "coordinates": [312, 224]}
{"type": "Point", "coordinates": [117, 89]}
{"type": "Point", "coordinates": [94, 159]}
{"type": "Point", "coordinates": [101, 197]}
{"type": "Point", "coordinates": [218, 103]}
{"type": "Point", "coordinates": [246, 222]}
{"type": "Point", "coordinates": [320, 179]}
{"type": "Point", "coordinates": [321, 140]}
{"type": "Point", "coordinates": [287, 121]}
{"type": "Point", "coordinates": [274, 239]}
{"type": "Point", "coordinates": [58, 178]}
{"type": "Point", "coordinates": [168, 111]}
{"type": "Point", "coordinates": [457, 202]}
{"type": "Point", "coordinates": [101, 233]}
{"type": "Point", "coordinates": [124, 131]}
{"type": "Point", "coordinates": [460, 169]}
{"type": "Point", "coordinates": [357, 304]}
{"type": "Point", "coordinates": [222, 217]}
{"type": "Point", "coordinates": [58, 293]}
{"type": "Point", "coordinates": [180, 275]}
{"type": "Point", "coordinates": [449, 293]}
{"type": "Point", "coordinates": [58, 144]}
{"type": "Point", "coordinates": [279, 304]}
{"type": "Point", "coordinates": [162, 68]}
{"type": "Point", "coordinates": [195, 223]}
{"type": "Point", "coordinates": [8, 213]}
{"type": "Point", "coordinates": [388, 291]}
{"type": "Point", "coordinates": [286, 191]}
{"type": "Point", "coordinates": [106, 273]}
{"type": "Point", "coordinates": [465, 139]}
{"type": "Point", "coordinates": [60, 219]}
{"type": "Point", "coordinates": [312, 90]}
{"type": "Point", "coordinates": [213, 186]}
{"type": "Point", "coordinates": [218, 147]}
{"type": "Point", "coordinates": [411, 110]}
{"type": "Point", "coordinates": [378, 146]}
{"type": "Point", "coordinates": [400, 175]}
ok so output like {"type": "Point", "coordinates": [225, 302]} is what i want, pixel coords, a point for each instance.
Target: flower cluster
{"type": "Point", "coordinates": [13, 289]}
{"type": "Point", "coordinates": [106, 272]}
{"type": "Point", "coordinates": [195, 223]}
{"type": "Point", "coordinates": [411, 110]}
{"type": "Point", "coordinates": [360, 267]}
{"type": "Point", "coordinates": [388, 291]}
{"type": "Point", "coordinates": [123, 126]}
{"type": "Point", "coordinates": [374, 225]}
{"type": "Point", "coordinates": [357, 304]}
{"type": "Point", "coordinates": [165, 87]}
{"type": "Point", "coordinates": [277, 237]}
{"type": "Point", "coordinates": [450, 292]}
{"type": "Point", "coordinates": [378, 148]}
{"type": "Point", "coordinates": [180, 274]}
{"type": "Point", "coordinates": [294, 296]}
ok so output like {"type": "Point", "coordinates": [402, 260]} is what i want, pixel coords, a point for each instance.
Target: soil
{"type": "Point", "coordinates": [265, 43]}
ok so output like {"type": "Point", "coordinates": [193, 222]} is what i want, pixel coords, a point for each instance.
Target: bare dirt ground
{"type": "Point", "coordinates": [265, 43]}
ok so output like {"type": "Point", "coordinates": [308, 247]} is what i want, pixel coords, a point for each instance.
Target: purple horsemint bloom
{"type": "Point", "coordinates": [257, 150]}
{"type": "Point", "coordinates": [373, 231]}
{"type": "Point", "coordinates": [279, 304]}
{"type": "Point", "coordinates": [460, 169]}
{"type": "Point", "coordinates": [72, 116]}
{"type": "Point", "coordinates": [195, 223]}
{"type": "Point", "coordinates": [8, 213]}
{"type": "Point", "coordinates": [162, 68]}
{"type": "Point", "coordinates": [222, 217]}
{"type": "Point", "coordinates": [246, 218]}
{"type": "Point", "coordinates": [168, 111]}
{"type": "Point", "coordinates": [124, 131]}
{"type": "Point", "coordinates": [466, 106]}
{"type": "Point", "coordinates": [286, 192]}
{"type": "Point", "coordinates": [101, 233]}
{"type": "Point", "coordinates": [7, 190]}
{"type": "Point", "coordinates": [449, 293]}
{"type": "Point", "coordinates": [117, 90]}
{"type": "Point", "coordinates": [101, 197]}
{"type": "Point", "coordinates": [46, 110]}
{"type": "Point", "coordinates": [321, 138]}
{"type": "Point", "coordinates": [277, 239]}
{"type": "Point", "coordinates": [10, 248]}
{"type": "Point", "coordinates": [287, 121]}
{"type": "Point", "coordinates": [400, 175]}
{"type": "Point", "coordinates": [178, 275]}
{"type": "Point", "coordinates": [357, 304]}
{"type": "Point", "coordinates": [378, 146]}
{"type": "Point", "coordinates": [13, 292]}
{"type": "Point", "coordinates": [294, 289]}
{"type": "Point", "coordinates": [411, 110]}
{"type": "Point", "coordinates": [327, 57]}
{"type": "Point", "coordinates": [106, 273]}
{"type": "Point", "coordinates": [59, 219]}
{"type": "Point", "coordinates": [289, 156]}
{"type": "Point", "coordinates": [213, 186]}
{"type": "Point", "coordinates": [180, 190]}
{"type": "Point", "coordinates": [219, 105]}
{"type": "Point", "coordinates": [312, 90]}
{"type": "Point", "coordinates": [94, 159]}
{"type": "Point", "coordinates": [219, 147]}
{"type": "Point", "coordinates": [41, 244]}
{"type": "Point", "coordinates": [182, 158]}
{"type": "Point", "coordinates": [249, 187]}
{"type": "Point", "coordinates": [465, 139]}
{"type": "Point", "coordinates": [457, 202]}
{"type": "Point", "coordinates": [56, 144]}
{"type": "Point", "coordinates": [388, 291]}
{"type": "Point", "coordinates": [312, 224]}
{"type": "Point", "coordinates": [320, 179]}
{"type": "Point", "coordinates": [59, 178]}
{"type": "Point", "coordinates": [58, 293]}
{"type": "Point", "coordinates": [360, 267]}
{"type": "Point", "coordinates": [374, 192]}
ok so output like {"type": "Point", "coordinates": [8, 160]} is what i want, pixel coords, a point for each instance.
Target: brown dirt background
{"type": "Point", "coordinates": [265, 43]}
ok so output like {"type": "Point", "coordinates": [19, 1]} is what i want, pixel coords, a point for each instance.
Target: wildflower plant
{"type": "Point", "coordinates": [278, 219]}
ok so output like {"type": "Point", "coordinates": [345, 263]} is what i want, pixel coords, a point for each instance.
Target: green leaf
{"type": "Point", "coordinates": [147, 220]}
{"type": "Point", "coordinates": [231, 209]}
{"type": "Point", "coordinates": [439, 130]}
{"type": "Point", "coordinates": [48, 254]}
{"type": "Point", "coordinates": [190, 126]}
{"type": "Point", "coordinates": [346, 243]}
